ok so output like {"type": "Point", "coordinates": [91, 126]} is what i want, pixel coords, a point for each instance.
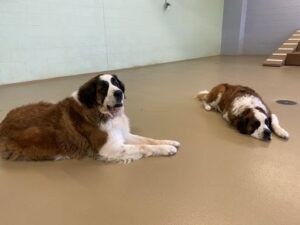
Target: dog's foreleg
{"type": "Point", "coordinates": [136, 139]}
{"type": "Point", "coordinates": [128, 153]}
{"type": "Point", "coordinates": [278, 130]}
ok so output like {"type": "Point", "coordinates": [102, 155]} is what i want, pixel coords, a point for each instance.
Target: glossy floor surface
{"type": "Point", "coordinates": [218, 177]}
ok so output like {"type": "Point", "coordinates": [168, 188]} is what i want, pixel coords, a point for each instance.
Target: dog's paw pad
{"type": "Point", "coordinates": [168, 150]}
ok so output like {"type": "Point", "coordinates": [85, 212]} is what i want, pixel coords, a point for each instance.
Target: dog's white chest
{"type": "Point", "coordinates": [116, 128]}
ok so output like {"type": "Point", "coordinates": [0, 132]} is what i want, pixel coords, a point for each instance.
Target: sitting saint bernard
{"type": "Point", "coordinates": [89, 123]}
{"type": "Point", "coordinates": [243, 108]}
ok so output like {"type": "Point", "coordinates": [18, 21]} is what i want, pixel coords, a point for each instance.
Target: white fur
{"type": "Point", "coordinates": [247, 101]}
{"type": "Point", "coordinates": [215, 104]}
{"type": "Point", "coordinates": [60, 157]}
{"type": "Point", "coordinates": [278, 130]}
{"type": "Point", "coordinates": [122, 146]}
{"type": "Point", "coordinates": [226, 117]}
{"type": "Point", "coordinates": [75, 97]}
{"type": "Point", "coordinates": [207, 107]}
{"type": "Point", "coordinates": [261, 117]}
{"type": "Point", "coordinates": [203, 92]}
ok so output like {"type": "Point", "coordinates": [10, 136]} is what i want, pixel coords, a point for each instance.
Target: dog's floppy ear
{"type": "Point", "coordinates": [243, 120]}
{"type": "Point", "coordinates": [269, 124]}
{"type": "Point", "coordinates": [87, 93]}
{"type": "Point", "coordinates": [242, 125]}
{"type": "Point", "coordinates": [120, 83]}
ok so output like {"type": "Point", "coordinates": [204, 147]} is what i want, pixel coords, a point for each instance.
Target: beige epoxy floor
{"type": "Point", "coordinates": [218, 177]}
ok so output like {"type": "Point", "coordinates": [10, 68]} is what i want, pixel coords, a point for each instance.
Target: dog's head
{"type": "Point", "coordinates": [256, 123]}
{"type": "Point", "coordinates": [105, 92]}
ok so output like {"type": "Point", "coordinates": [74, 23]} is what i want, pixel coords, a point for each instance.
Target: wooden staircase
{"type": "Point", "coordinates": [287, 54]}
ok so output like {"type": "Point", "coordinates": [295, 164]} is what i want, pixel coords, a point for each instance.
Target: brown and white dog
{"type": "Point", "coordinates": [243, 108]}
{"type": "Point", "coordinates": [90, 122]}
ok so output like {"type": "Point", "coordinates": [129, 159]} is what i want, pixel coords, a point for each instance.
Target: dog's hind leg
{"type": "Point", "coordinates": [210, 100]}
{"type": "Point", "coordinates": [278, 130]}
{"type": "Point", "coordinates": [203, 96]}
{"type": "Point", "coordinates": [10, 150]}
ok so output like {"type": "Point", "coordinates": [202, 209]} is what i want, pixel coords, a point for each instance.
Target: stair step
{"type": "Point", "coordinates": [293, 59]}
{"type": "Point", "coordinates": [278, 58]}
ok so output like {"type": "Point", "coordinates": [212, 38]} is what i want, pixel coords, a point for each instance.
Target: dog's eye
{"type": "Point", "coordinates": [114, 81]}
{"type": "Point", "coordinates": [267, 122]}
{"type": "Point", "coordinates": [256, 124]}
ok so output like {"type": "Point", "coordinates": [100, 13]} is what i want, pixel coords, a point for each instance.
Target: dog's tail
{"type": "Point", "coordinates": [202, 95]}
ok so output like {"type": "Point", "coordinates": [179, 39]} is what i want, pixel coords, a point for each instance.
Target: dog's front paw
{"type": "Point", "coordinates": [129, 160]}
{"type": "Point", "coordinates": [176, 144]}
{"type": "Point", "coordinates": [166, 150]}
{"type": "Point", "coordinates": [283, 134]}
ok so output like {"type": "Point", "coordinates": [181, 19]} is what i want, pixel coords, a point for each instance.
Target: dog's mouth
{"type": "Point", "coordinates": [114, 109]}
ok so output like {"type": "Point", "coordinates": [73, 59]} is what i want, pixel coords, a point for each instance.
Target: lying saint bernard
{"type": "Point", "coordinates": [243, 108]}
{"type": "Point", "coordinates": [90, 122]}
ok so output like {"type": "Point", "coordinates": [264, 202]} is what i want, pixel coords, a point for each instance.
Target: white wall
{"type": "Point", "coordinates": [270, 23]}
{"type": "Point", "coordinates": [48, 38]}
{"type": "Point", "coordinates": [258, 26]}
{"type": "Point", "coordinates": [234, 20]}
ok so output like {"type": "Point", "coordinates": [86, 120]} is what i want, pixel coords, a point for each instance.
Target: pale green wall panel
{"type": "Point", "coordinates": [139, 32]}
{"type": "Point", "coordinates": [49, 38]}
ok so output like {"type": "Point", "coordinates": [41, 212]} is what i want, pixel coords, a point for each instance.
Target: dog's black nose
{"type": "Point", "coordinates": [118, 95]}
{"type": "Point", "coordinates": [267, 135]}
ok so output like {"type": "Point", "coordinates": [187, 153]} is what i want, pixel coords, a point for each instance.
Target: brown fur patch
{"type": "Point", "coordinates": [43, 131]}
